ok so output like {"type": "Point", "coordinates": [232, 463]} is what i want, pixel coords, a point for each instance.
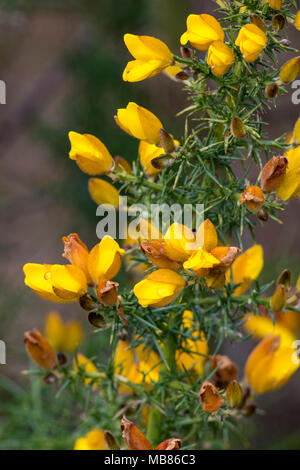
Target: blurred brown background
{"type": "Point", "coordinates": [62, 67]}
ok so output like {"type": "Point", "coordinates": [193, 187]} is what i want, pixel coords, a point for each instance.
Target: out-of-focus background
{"type": "Point", "coordinates": [62, 64]}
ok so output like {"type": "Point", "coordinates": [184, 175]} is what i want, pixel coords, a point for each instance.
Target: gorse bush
{"type": "Point", "coordinates": [199, 286]}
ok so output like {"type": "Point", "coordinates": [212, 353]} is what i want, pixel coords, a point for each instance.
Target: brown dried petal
{"type": "Point", "coordinates": [273, 173]}
{"type": "Point", "coordinates": [133, 436]}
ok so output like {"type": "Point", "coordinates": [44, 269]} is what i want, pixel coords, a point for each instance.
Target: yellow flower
{"type": "Point", "coordinates": [246, 268]}
{"type": "Point", "coordinates": [151, 54]}
{"type": "Point", "coordinates": [202, 31]}
{"type": "Point", "coordinates": [93, 440]}
{"type": "Point", "coordinates": [290, 70]}
{"type": "Point", "coordinates": [58, 283]}
{"type": "Point", "coordinates": [103, 192]}
{"type": "Point", "coordinates": [39, 349]}
{"type": "Point", "coordinates": [104, 261]}
{"type": "Point", "coordinates": [290, 185]}
{"type": "Point", "coordinates": [220, 58]}
{"type": "Point", "coordinates": [159, 288]}
{"type": "Point", "coordinates": [83, 363]}
{"type": "Point", "coordinates": [138, 365]}
{"type": "Point", "coordinates": [148, 152]}
{"type": "Point", "coordinates": [178, 240]}
{"type": "Point", "coordinates": [251, 41]}
{"type": "Point", "coordinates": [275, 4]}
{"type": "Point", "coordinates": [90, 154]}
{"type": "Point", "coordinates": [261, 326]}
{"type": "Point", "coordinates": [196, 349]}
{"type": "Point", "coordinates": [62, 337]}
{"type": "Point", "coordinates": [209, 260]}
{"type": "Point", "coordinates": [297, 20]}
{"type": "Point", "coordinates": [139, 123]}
{"type": "Point", "coordinates": [270, 365]}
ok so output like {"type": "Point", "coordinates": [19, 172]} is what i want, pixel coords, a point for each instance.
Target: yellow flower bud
{"type": "Point", "coordinates": [234, 394]}
{"type": "Point", "coordinates": [39, 349]}
{"type": "Point", "coordinates": [159, 288]}
{"type": "Point", "coordinates": [220, 58]}
{"type": "Point", "coordinates": [103, 193]}
{"type": "Point", "coordinates": [246, 268]}
{"type": "Point", "coordinates": [210, 398]}
{"type": "Point", "coordinates": [270, 365]}
{"type": "Point", "coordinates": [278, 299]}
{"type": "Point", "coordinates": [290, 70]}
{"type": "Point", "coordinates": [57, 283]}
{"type": "Point", "coordinates": [202, 31]}
{"type": "Point", "coordinates": [90, 154]}
{"type": "Point", "coordinates": [251, 41]}
{"type": "Point", "coordinates": [62, 337]}
{"type": "Point", "coordinates": [290, 184]}
{"type": "Point", "coordinates": [151, 57]}
{"type": "Point", "coordinates": [105, 260]}
{"type": "Point", "coordinates": [297, 20]}
{"type": "Point", "coordinates": [93, 440]}
{"type": "Point", "coordinates": [253, 197]}
{"type": "Point", "coordinates": [275, 4]}
{"type": "Point", "coordinates": [139, 123]}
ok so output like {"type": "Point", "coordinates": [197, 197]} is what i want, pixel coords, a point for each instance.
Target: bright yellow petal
{"type": "Point", "coordinates": [68, 281]}
{"type": "Point", "coordinates": [36, 278]}
{"type": "Point", "coordinates": [140, 123]}
{"type": "Point", "coordinates": [297, 20]}
{"type": "Point", "coordinates": [104, 260]}
{"type": "Point", "coordinates": [178, 241]}
{"type": "Point", "coordinates": [262, 326]}
{"type": "Point", "coordinates": [54, 330]}
{"type": "Point", "coordinates": [201, 259]}
{"type": "Point", "coordinates": [103, 193]}
{"type": "Point", "coordinates": [90, 153]}
{"type": "Point", "coordinates": [246, 268]}
{"type": "Point", "coordinates": [147, 48]}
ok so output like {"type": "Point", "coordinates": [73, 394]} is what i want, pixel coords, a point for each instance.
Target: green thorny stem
{"type": "Point", "coordinates": [155, 415]}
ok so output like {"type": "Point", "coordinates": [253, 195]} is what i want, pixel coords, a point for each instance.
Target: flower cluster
{"type": "Point", "coordinates": [195, 284]}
